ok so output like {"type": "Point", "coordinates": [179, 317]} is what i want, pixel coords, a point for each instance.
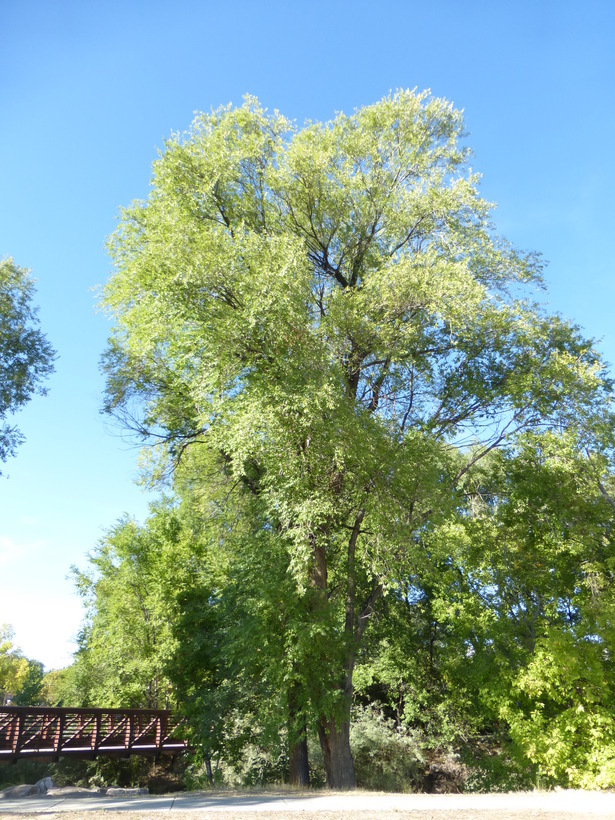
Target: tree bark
{"type": "Point", "coordinates": [334, 731]}
{"type": "Point", "coordinates": [335, 744]}
{"type": "Point", "coordinates": [334, 735]}
{"type": "Point", "coordinates": [299, 774]}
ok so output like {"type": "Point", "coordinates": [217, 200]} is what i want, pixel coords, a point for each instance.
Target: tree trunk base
{"type": "Point", "coordinates": [299, 767]}
{"type": "Point", "coordinates": [335, 745]}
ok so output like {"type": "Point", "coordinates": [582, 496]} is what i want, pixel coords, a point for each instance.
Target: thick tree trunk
{"type": "Point", "coordinates": [334, 732]}
{"type": "Point", "coordinates": [299, 774]}
{"type": "Point", "coordinates": [335, 744]}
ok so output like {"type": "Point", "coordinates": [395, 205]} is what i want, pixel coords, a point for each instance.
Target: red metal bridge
{"type": "Point", "coordinates": [43, 732]}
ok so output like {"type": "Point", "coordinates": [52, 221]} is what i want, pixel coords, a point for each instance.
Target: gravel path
{"type": "Point", "coordinates": [563, 805]}
{"type": "Point", "coordinates": [384, 815]}
{"type": "Point", "coordinates": [353, 815]}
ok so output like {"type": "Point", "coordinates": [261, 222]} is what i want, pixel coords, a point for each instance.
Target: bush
{"type": "Point", "coordinates": [23, 771]}
{"type": "Point", "coordinates": [386, 757]}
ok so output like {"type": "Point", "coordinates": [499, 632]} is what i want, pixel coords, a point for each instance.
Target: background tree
{"type": "Point", "coordinates": [500, 644]}
{"type": "Point", "coordinates": [330, 316]}
{"type": "Point", "coordinates": [30, 692]}
{"type": "Point", "coordinates": [554, 525]}
{"type": "Point", "coordinates": [26, 357]}
{"type": "Point", "coordinates": [130, 589]}
{"type": "Point", "coordinates": [20, 678]}
{"type": "Point", "coordinates": [236, 660]}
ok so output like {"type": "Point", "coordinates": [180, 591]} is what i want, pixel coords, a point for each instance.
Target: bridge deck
{"type": "Point", "coordinates": [45, 732]}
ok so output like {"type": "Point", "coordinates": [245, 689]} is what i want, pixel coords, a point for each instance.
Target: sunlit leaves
{"type": "Point", "coordinates": [324, 321]}
{"type": "Point", "coordinates": [26, 357]}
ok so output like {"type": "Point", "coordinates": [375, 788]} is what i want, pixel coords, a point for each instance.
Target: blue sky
{"type": "Point", "coordinates": [88, 93]}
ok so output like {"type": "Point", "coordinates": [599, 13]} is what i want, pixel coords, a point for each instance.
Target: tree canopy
{"type": "Point", "coordinates": [20, 678]}
{"type": "Point", "coordinates": [26, 357]}
{"type": "Point", "coordinates": [325, 338]}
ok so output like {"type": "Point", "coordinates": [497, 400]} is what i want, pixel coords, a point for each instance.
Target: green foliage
{"type": "Point", "coordinates": [250, 758]}
{"type": "Point", "coordinates": [23, 771]}
{"type": "Point", "coordinates": [386, 757]}
{"type": "Point", "coordinates": [130, 592]}
{"type": "Point", "coordinates": [367, 422]}
{"type": "Point", "coordinates": [21, 679]}
{"type": "Point", "coordinates": [544, 555]}
{"type": "Point", "coordinates": [14, 668]}
{"type": "Point", "coordinates": [561, 712]}
{"type": "Point", "coordinates": [26, 357]}
{"type": "Point", "coordinates": [492, 766]}
{"type": "Point", "coordinates": [30, 691]}
{"type": "Point", "coordinates": [239, 647]}
{"type": "Point", "coordinates": [501, 646]}
{"type": "Point", "coordinates": [57, 688]}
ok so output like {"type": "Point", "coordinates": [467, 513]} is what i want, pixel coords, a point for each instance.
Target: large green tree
{"type": "Point", "coordinates": [329, 315]}
{"type": "Point", "coordinates": [26, 357]}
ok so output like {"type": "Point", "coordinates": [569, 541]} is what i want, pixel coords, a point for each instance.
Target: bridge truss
{"type": "Point", "coordinates": [42, 732]}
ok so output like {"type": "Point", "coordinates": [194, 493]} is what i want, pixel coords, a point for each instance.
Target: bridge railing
{"type": "Point", "coordinates": [36, 732]}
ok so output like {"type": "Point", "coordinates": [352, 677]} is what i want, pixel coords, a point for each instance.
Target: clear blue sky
{"type": "Point", "coordinates": [88, 93]}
